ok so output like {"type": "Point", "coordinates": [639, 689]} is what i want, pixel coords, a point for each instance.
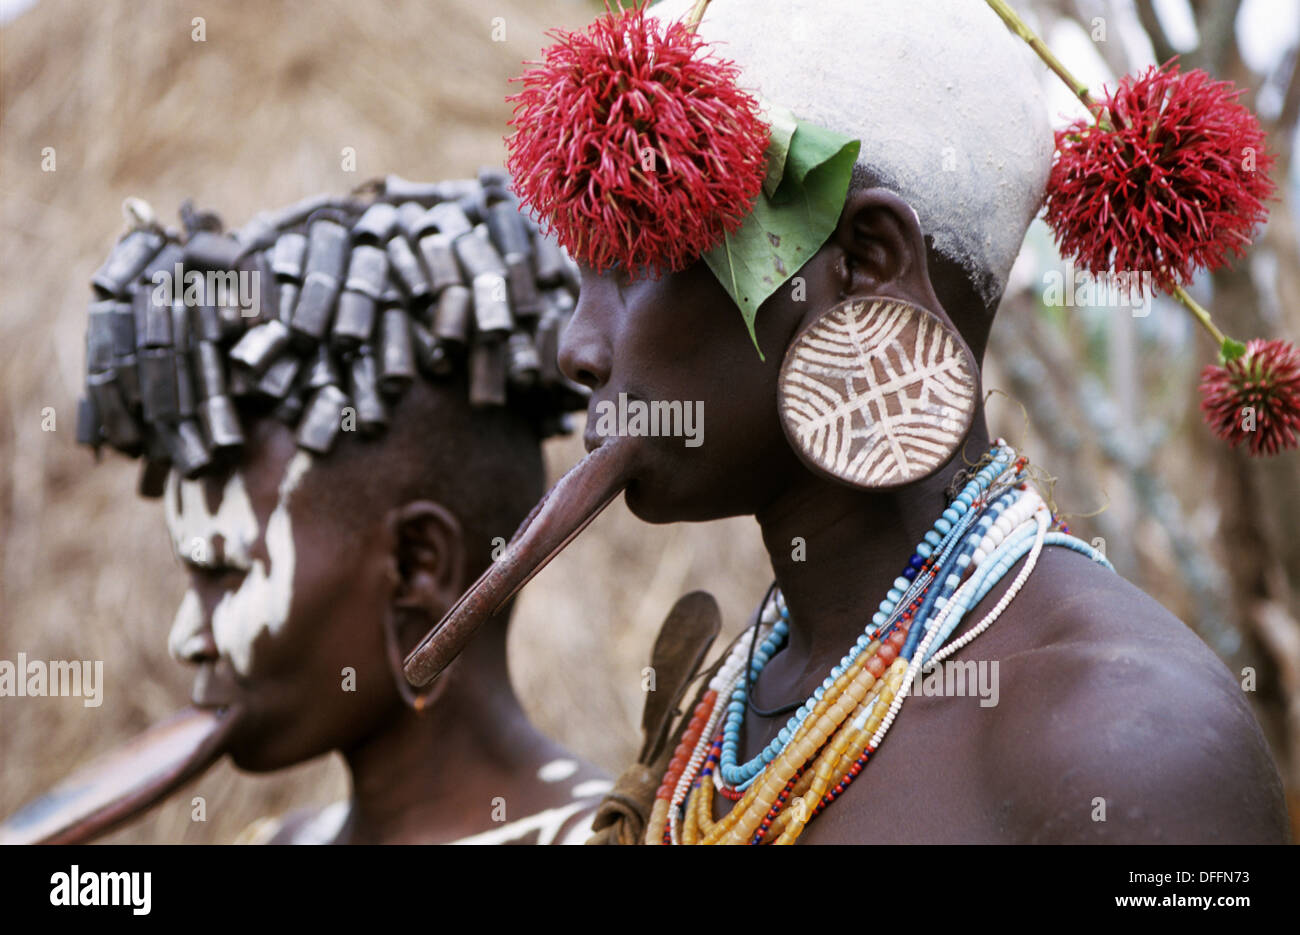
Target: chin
{"type": "Point", "coordinates": [660, 504]}
{"type": "Point", "coordinates": [258, 746]}
{"type": "Point", "coordinates": [266, 757]}
{"type": "Point", "coordinates": [254, 754]}
{"type": "Point", "coordinates": [648, 507]}
{"type": "Point", "coordinates": [256, 761]}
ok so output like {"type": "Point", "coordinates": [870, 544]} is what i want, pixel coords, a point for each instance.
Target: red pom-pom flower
{"type": "Point", "coordinates": [1255, 398]}
{"type": "Point", "coordinates": [634, 144]}
{"type": "Point", "coordinates": [1172, 181]}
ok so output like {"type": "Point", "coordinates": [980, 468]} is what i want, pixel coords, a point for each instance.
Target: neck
{"type": "Point", "coordinates": [855, 545]}
{"type": "Point", "coordinates": [421, 777]}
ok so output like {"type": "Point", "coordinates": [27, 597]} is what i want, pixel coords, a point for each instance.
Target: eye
{"type": "Point", "coordinates": [206, 558]}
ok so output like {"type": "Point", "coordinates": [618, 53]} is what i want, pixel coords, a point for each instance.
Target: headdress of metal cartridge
{"type": "Point", "coordinates": [353, 299]}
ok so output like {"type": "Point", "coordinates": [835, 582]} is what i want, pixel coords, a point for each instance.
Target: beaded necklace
{"type": "Point", "coordinates": [991, 523]}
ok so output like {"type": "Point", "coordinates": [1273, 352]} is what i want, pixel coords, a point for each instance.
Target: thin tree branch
{"type": "Point", "coordinates": [1216, 21]}
{"type": "Point", "coordinates": [1155, 30]}
{"type": "Point", "coordinates": [1286, 119]}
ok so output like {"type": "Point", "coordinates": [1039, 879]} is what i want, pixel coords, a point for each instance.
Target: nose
{"type": "Point", "coordinates": [191, 638]}
{"type": "Point", "coordinates": [584, 354]}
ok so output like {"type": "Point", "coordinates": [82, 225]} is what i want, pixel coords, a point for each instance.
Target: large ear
{"type": "Point", "coordinates": [884, 250]}
{"type": "Point", "coordinates": [847, 413]}
{"type": "Point", "coordinates": [427, 560]}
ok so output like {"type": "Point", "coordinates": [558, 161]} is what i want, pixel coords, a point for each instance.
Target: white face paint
{"type": "Point", "coordinates": [194, 528]}
{"type": "Point", "coordinates": [592, 788]}
{"type": "Point", "coordinates": [557, 770]}
{"type": "Point", "coordinates": [185, 639]}
{"type": "Point", "coordinates": [261, 603]}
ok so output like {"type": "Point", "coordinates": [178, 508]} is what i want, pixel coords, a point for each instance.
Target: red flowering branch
{"type": "Point", "coordinates": [1154, 182]}
{"type": "Point", "coordinates": [1255, 397]}
{"type": "Point", "coordinates": [1159, 185]}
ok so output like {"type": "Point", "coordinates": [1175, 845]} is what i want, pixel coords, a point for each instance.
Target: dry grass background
{"type": "Point", "coordinates": [253, 118]}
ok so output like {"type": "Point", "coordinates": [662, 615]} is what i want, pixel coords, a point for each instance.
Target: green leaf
{"type": "Point", "coordinates": [781, 124]}
{"type": "Point", "coordinates": [786, 228]}
{"type": "Point", "coordinates": [815, 153]}
{"type": "Point", "coordinates": [1230, 350]}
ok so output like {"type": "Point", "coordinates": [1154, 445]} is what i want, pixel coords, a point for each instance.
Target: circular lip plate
{"type": "Point", "coordinates": [816, 468]}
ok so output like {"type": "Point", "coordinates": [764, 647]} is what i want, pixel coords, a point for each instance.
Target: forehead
{"type": "Point", "coordinates": [252, 482]}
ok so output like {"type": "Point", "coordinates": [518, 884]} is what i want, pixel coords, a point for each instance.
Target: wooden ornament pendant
{"type": "Point", "coordinates": [877, 393]}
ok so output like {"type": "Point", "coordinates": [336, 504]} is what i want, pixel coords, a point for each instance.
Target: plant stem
{"type": "Point", "coordinates": [1201, 314]}
{"type": "Point", "coordinates": [697, 14]}
{"type": "Point", "coordinates": [1021, 29]}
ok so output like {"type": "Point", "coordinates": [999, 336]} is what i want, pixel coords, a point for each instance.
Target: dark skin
{"type": "Point", "coordinates": [1104, 695]}
{"type": "Point", "coordinates": [426, 777]}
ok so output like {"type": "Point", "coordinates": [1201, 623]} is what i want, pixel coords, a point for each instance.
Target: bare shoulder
{"type": "Point", "coordinates": [1116, 723]}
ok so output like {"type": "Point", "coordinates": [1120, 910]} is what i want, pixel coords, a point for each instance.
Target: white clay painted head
{"type": "Point", "coordinates": [946, 102]}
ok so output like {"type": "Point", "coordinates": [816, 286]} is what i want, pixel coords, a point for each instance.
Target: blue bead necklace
{"type": "Point", "coordinates": [950, 545]}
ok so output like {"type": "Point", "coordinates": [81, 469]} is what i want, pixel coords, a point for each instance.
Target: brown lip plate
{"type": "Point", "coordinates": [576, 499]}
{"type": "Point", "coordinates": [821, 471]}
{"type": "Point", "coordinates": [124, 782]}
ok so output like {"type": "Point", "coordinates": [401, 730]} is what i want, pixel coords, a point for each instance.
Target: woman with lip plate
{"type": "Point", "coordinates": [800, 216]}
{"type": "Point", "coordinates": [336, 464]}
